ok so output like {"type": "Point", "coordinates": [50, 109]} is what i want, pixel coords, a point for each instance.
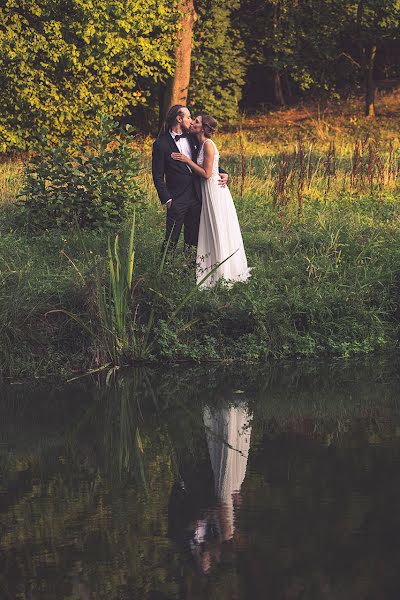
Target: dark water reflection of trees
{"type": "Point", "coordinates": [110, 491]}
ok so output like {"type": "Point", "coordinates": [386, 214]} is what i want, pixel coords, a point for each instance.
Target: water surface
{"type": "Point", "coordinates": [202, 483]}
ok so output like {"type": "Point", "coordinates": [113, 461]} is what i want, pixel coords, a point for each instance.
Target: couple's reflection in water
{"type": "Point", "coordinates": [204, 520]}
{"type": "Point", "coordinates": [145, 489]}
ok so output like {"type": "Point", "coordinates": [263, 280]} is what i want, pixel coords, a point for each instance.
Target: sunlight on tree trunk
{"type": "Point", "coordinates": [368, 54]}
{"type": "Point", "coordinates": [370, 83]}
{"type": "Point", "coordinates": [278, 91]}
{"type": "Point", "coordinates": [177, 87]}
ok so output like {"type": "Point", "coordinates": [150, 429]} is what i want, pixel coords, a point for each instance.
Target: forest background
{"type": "Point", "coordinates": [65, 62]}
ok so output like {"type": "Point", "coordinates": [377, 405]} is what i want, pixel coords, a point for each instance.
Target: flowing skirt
{"type": "Point", "coordinates": [220, 238]}
{"type": "Point", "coordinates": [228, 433]}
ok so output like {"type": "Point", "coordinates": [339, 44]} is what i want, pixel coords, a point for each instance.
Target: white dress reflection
{"type": "Point", "coordinates": [228, 433]}
{"type": "Point", "coordinates": [228, 437]}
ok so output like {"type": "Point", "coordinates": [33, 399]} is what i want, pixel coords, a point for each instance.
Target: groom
{"type": "Point", "coordinates": [178, 188]}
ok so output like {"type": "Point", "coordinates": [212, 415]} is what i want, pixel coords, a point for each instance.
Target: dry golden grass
{"type": "Point", "coordinates": [10, 180]}
{"type": "Point", "coordinates": [253, 151]}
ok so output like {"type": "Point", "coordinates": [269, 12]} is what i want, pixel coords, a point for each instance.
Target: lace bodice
{"type": "Point", "coordinates": [200, 157]}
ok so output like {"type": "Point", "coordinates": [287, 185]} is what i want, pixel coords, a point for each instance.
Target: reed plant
{"type": "Point", "coordinates": [116, 301]}
{"type": "Point", "coordinates": [109, 321]}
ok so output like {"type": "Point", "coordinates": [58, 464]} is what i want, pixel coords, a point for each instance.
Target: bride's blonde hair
{"type": "Point", "coordinates": [209, 125]}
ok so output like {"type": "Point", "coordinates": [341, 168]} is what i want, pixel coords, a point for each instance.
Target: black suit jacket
{"type": "Point", "coordinates": [172, 178]}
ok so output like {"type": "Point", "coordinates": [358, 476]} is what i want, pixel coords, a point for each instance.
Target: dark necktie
{"type": "Point", "coordinates": [178, 137]}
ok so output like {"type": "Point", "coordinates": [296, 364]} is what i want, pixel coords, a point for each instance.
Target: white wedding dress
{"type": "Point", "coordinates": [228, 433]}
{"type": "Point", "coordinates": [219, 232]}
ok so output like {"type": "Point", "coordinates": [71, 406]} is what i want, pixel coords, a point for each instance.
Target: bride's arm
{"type": "Point", "coordinates": [207, 168]}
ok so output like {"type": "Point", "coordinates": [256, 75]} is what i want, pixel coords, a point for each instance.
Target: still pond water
{"type": "Point", "coordinates": [204, 483]}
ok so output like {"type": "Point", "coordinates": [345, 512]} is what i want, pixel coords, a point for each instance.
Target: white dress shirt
{"type": "Point", "coordinates": [183, 146]}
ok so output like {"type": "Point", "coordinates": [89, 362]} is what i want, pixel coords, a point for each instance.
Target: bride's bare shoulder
{"type": "Point", "coordinates": [209, 145]}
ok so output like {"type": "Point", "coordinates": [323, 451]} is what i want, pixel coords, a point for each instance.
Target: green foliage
{"type": "Point", "coordinates": [314, 45]}
{"type": "Point", "coordinates": [373, 21]}
{"type": "Point", "coordinates": [218, 64]}
{"type": "Point", "coordinates": [92, 186]}
{"type": "Point", "coordinates": [298, 42]}
{"type": "Point", "coordinates": [63, 62]}
{"type": "Point", "coordinates": [115, 302]}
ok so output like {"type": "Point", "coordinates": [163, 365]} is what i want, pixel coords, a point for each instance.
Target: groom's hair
{"type": "Point", "coordinates": [174, 112]}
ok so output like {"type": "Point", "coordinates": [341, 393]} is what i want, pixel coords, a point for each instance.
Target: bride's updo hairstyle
{"type": "Point", "coordinates": [209, 125]}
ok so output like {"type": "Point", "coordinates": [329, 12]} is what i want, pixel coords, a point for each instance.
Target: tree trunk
{"type": "Point", "coordinates": [360, 12]}
{"type": "Point", "coordinates": [161, 98]}
{"type": "Point", "coordinates": [288, 88]}
{"type": "Point", "coordinates": [370, 81]}
{"type": "Point", "coordinates": [368, 54]}
{"type": "Point", "coordinates": [176, 91]}
{"type": "Point", "coordinates": [278, 91]}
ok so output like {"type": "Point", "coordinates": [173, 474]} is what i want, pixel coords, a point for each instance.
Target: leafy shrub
{"type": "Point", "coordinates": [92, 185]}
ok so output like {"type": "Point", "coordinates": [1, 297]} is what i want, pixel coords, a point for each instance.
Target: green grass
{"type": "Point", "coordinates": [322, 238]}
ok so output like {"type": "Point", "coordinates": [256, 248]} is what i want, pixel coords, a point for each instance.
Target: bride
{"type": "Point", "coordinates": [220, 238]}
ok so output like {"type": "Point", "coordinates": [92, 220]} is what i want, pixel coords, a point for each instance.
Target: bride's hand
{"type": "Point", "coordinates": [179, 156]}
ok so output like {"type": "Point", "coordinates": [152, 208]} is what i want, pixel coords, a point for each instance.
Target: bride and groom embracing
{"type": "Point", "coordinates": [193, 188]}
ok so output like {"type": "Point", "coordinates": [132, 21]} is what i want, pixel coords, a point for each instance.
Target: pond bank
{"type": "Point", "coordinates": [325, 285]}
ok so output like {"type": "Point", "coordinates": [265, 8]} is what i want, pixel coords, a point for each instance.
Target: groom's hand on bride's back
{"type": "Point", "coordinates": [223, 179]}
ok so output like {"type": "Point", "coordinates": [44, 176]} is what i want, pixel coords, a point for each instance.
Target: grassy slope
{"type": "Point", "coordinates": [324, 281]}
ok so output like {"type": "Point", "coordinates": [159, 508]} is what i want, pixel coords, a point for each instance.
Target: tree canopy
{"type": "Point", "coordinates": [65, 62]}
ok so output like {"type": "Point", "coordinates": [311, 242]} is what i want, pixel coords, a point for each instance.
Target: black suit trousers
{"type": "Point", "coordinates": [184, 212]}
